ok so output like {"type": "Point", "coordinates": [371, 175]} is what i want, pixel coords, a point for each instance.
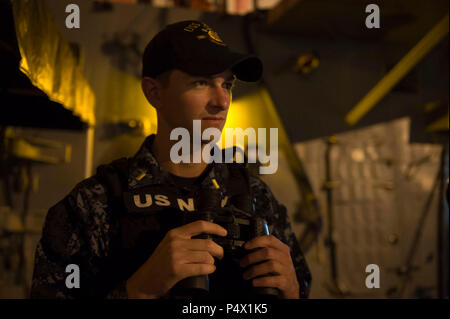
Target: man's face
{"type": "Point", "coordinates": [188, 98]}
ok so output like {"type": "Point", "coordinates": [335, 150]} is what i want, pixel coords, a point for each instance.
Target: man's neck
{"type": "Point", "coordinates": [161, 151]}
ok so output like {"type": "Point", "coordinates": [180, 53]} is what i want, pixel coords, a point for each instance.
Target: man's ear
{"type": "Point", "coordinates": [152, 91]}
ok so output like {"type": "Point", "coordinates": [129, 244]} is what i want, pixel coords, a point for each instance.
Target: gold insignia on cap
{"type": "Point", "coordinates": [211, 34]}
{"type": "Point", "coordinates": [214, 37]}
{"type": "Point", "coordinates": [191, 27]}
{"type": "Point", "coordinates": [141, 176]}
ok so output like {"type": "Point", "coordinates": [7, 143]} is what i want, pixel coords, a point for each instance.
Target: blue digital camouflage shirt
{"type": "Point", "coordinates": [82, 229]}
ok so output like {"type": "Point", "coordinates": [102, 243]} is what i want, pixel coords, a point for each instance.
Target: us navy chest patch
{"type": "Point", "coordinates": [152, 199]}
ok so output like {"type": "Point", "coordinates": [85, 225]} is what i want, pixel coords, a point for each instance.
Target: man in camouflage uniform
{"type": "Point", "coordinates": [123, 228]}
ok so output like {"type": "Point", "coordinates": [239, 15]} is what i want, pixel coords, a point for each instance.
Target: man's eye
{"type": "Point", "coordinates": [200, 82]}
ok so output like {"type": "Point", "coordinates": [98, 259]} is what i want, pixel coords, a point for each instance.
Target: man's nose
{"type": "Point", "coordinates": [220, 98]}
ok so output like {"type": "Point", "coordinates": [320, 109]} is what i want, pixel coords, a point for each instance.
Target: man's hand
{"type": "Point", "coordinates": [176, 257]}
{"type": "Point", "coordinates": [274, 258]}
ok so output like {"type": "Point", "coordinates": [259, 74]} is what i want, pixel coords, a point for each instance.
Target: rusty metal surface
{"type": "Point", "coordinates": [380, 186]}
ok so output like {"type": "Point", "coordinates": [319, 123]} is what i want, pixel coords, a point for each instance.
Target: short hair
{"type": "Point", "coordinates": [164, 78]}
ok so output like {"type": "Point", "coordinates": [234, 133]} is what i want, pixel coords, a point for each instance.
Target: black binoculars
{"type": "Point", "coordinates": [241, 227]}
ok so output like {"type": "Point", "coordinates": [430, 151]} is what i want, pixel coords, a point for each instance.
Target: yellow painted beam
{"type": "Point", "coordinates": [438, 125]}
{"type": "Point", "coordinates": [383, 87]}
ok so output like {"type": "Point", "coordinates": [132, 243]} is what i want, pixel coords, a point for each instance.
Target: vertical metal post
{"type": "Point", "coordinates": [330, 242]}
{"type": "Point", "coordinates": [89, 151]}
{"type": "Point", "coordinates": [443, 227]}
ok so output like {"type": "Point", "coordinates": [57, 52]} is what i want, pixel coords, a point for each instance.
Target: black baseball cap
{"type": "Point", "coordinates": [193, 47]}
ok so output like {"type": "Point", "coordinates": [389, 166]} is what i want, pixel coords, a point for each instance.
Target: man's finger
{"type": "Point", "coordinates": [266, 241]}
{"type": "Point", "coordinates": [198, 257]}
{"type": "Point", "coordinates": [262, 254]}
{"type": "Point", "coordinates": [205, 245]}
{"type": "Point", "coordinates": [200, 227]}
{"type": "Point", "coordinates": [270, 267]}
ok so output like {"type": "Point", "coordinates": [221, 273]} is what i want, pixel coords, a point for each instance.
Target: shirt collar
{"type": "Point", "coordinates": [144, 170]}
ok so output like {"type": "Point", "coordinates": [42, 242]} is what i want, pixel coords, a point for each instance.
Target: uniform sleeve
{"type": "Point", "coordinates": [67, 241]}
{"type": "Point", "coordinates": [279, 225]}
